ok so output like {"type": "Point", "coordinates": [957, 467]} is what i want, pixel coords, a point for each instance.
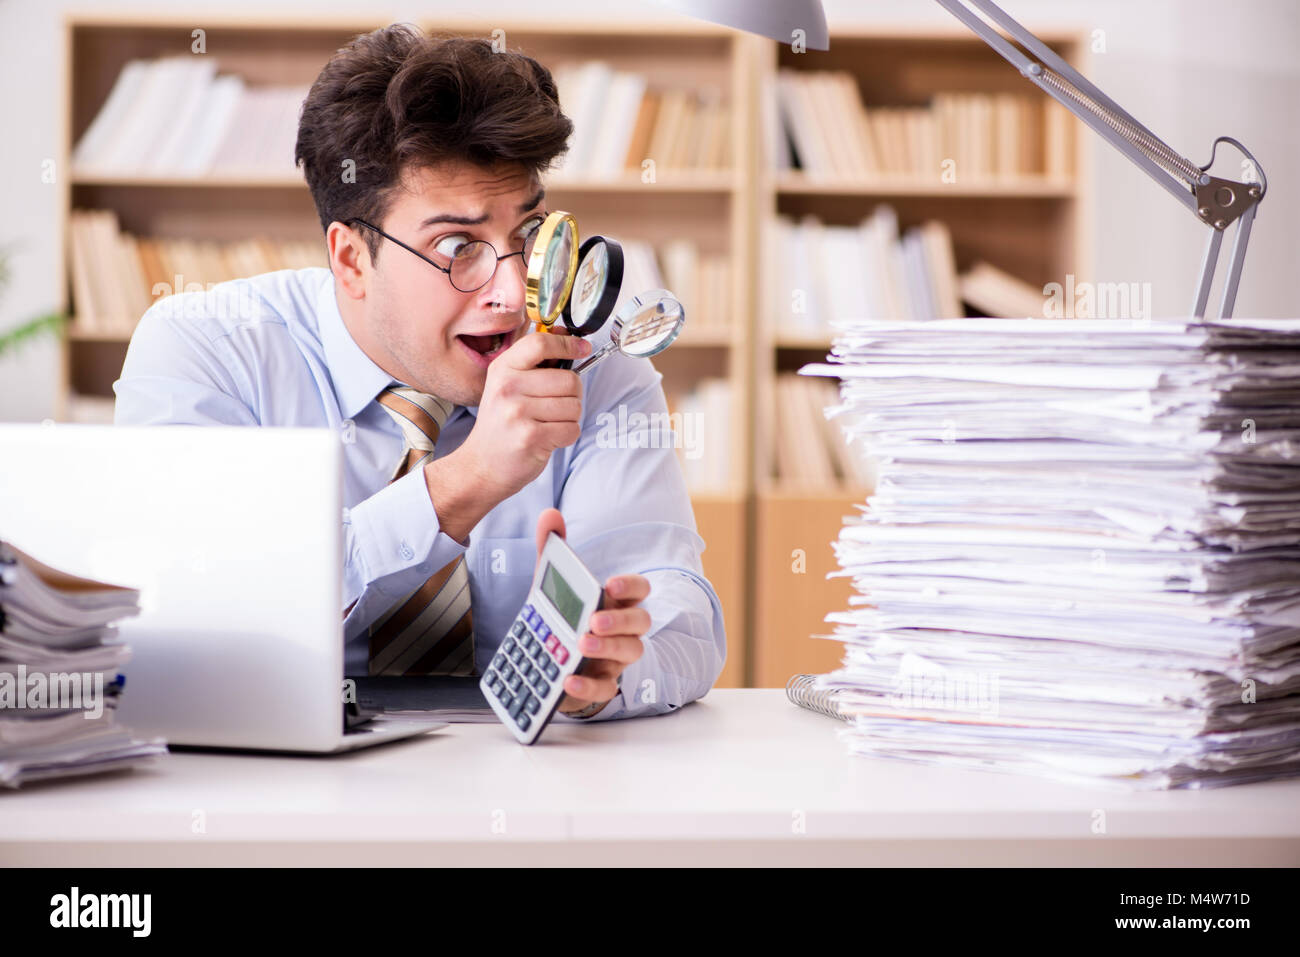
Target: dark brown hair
{"type": "Point", "coordinates": [396, 99]}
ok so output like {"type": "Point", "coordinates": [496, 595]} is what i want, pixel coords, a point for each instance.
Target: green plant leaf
{"type": "Point", "coordinates": [27, 331]}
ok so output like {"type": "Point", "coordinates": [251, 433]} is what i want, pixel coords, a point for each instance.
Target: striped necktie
{"type": "Point", "coordinates": [429, 631]}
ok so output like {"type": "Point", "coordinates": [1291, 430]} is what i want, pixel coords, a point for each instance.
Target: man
{"type": "Point", "coordinates": [415, 148]}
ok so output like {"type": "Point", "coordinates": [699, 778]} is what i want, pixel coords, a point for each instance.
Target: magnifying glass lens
{"type": "Point", "coordinates": [651, 327]}
{"type": "Point", "coordinates": [590, 283]}
{"type": "Point", "coordinates": [555, 271]}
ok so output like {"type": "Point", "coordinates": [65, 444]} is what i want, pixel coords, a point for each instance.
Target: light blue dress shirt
{"type": "Point", "coordinates": [272, 350]}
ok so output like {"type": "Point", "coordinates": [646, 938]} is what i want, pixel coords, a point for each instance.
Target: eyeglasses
{"type": "Point", "coordinates": [474, 264]}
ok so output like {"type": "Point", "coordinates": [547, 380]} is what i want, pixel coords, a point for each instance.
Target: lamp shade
{"type": "Point", "coordinates": [767, 18]}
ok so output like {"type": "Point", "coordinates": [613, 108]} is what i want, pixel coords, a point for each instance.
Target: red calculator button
{"type": "Point", "coordinates": [560, 654]}
{"type": "Point", "coordinates": [552, 642]}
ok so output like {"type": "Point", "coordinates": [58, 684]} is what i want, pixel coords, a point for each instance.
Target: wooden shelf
{"type": "Point", "coordinates": [231, 180]}
{"type": "Point", "coordinates": [703, 338]}
{"type": "Point", "coordinates": [76, 334]}
{"type": "Point", "coordinates": [670, 180]}
{"type": "Point", "coordinates": [673, 181]}
{"type": "Point", "coordinates": [786, 340]}
{"type": "Point", "coordinates": [1017, 188]}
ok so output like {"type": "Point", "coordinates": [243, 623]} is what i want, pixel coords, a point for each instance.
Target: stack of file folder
{"type": "Point", "coordinates": [1082, 555]}
{"type": "Point", "coordinates": [59, 674]}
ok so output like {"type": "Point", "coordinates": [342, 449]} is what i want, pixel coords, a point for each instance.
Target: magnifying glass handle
{"type": "Point", "coordinates": [595, 357]}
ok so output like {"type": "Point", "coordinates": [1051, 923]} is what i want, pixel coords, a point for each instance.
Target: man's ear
{"type": "Point", "coordinates": [349, 259]}
{"type": "Point", "coordinates": [549, 521]}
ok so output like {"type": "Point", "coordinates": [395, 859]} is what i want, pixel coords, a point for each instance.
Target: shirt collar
{"type": "Point", "coordinates": [357, 380]}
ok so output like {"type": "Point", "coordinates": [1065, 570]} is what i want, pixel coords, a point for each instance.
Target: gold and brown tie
{"type": "Point", "coordinates": [430, 630]}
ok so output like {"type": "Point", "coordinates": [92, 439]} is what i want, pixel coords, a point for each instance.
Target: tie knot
{"type": "Point", "coordinates": [420, 415]}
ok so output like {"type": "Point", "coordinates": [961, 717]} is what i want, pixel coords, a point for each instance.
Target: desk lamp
{"type": "Point", "coordinates": [1216, 202]}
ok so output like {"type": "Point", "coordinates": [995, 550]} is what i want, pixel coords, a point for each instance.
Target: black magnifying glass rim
{"type": "Point", "coordinates": [604, 306]}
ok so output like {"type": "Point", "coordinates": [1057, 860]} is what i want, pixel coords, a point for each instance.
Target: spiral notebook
{"type": "Point", "coordinates": [801, 690]}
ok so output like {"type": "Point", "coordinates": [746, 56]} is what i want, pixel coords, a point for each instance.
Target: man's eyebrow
{"type": "Point", "coordinates": [476, 220]}
{"type": "Point", "coordinates": [457, 220]}
{"type": "Point", "coordinates": [532, 203]}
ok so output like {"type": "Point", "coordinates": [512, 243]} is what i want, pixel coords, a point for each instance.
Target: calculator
{"type": "Point", "coordinates": [524, 683]}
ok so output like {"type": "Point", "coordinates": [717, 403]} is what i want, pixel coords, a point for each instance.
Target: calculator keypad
{"type": "Point", "coordinates": [523, 672]}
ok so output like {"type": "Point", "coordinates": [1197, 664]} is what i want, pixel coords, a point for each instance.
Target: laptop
{"type": "Point", "coordinates": [234, 537]}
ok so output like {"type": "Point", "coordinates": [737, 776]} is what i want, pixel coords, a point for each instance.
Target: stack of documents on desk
{"type": "Point", "coordinates": [1082, 557]}
{"type": "Point", "coordinates": [59, 678]}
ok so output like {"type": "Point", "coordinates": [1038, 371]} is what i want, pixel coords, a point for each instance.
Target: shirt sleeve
{"type": "Point", "coordinates": [177, 373]}
{"type": "Point", "coordinates": [174, 374]}
{"type": "Point", "coordinates": [627, 510]}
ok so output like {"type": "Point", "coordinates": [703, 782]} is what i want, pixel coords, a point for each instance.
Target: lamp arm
{"type": "Point", "coordinates": [1215, 201]}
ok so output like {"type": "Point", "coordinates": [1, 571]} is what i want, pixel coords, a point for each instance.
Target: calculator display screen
{"type": "Point", "coordinates": [564, 598]}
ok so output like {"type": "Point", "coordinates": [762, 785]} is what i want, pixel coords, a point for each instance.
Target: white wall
{"type": "Point", "coordinates": [1189, 69]}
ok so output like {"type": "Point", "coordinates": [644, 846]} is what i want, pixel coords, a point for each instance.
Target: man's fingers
{"type": "Point", "coordinates": [549, 521]}
{"type": "Point", "coordinates": [555, 435]}
{"type": "Point", "coordinates": [620, 621]}
{"type": "Point", "coordinates": [532, 349]}
{"type": "Point", "coordinates": [547, 383]}
{"type": "Point", "coordinates": [587, 688]}
{"type": "Point", "coordinates": [623, 588]}
{"type": "Point", "coordinates": [555, 408]}
{"type": "Point", "coordinates": [625, 649]}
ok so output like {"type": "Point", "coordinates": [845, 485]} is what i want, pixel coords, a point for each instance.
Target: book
{"type": "Point", "coordinates": [815, 121]}
{"type": "Point", "coordinates": [997, 293]}
{"type": "Point", "coordinates": [116, 276]}
{"type": "Point", "coordinates": [175, 116]}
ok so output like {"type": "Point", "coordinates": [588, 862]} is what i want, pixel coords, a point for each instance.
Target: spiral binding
{"type": "Point", "coordinates": [801, 691]}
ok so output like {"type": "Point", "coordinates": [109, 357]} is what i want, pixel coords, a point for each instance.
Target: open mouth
{"type": "Point", "coordinates": [485, 348]}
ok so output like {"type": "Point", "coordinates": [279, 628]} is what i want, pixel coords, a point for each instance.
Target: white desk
{"type": "Point", "coordinates": [726, 780]}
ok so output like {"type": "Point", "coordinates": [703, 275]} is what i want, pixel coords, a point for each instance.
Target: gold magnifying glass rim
{"type": "Point", "coordinates": [537, 261]}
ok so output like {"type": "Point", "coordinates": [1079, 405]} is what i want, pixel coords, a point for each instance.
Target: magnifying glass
{"type": "Point", "coordinates": [645, 326]}
{"type": "Point", "coordinates": [552, 266]}
{"type": "Point", "coordinates": [595, 290]}
{"type": "Point", "coordinates": [596, 286]}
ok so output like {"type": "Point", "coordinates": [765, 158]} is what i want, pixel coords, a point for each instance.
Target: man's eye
{"type": "Point", "coordinates": [527, 228]}
{"type": "Point", "coordinates": [450, 245]}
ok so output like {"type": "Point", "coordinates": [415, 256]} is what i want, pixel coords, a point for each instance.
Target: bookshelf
{"type": "Point", "coordinates": [1034, 226]}
{"type": "Point", "coordinates": [707, 206]}
{"type": "Point", "coordinates": [755, 525]}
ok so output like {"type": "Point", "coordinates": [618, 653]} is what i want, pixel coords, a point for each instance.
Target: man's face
{"type": "Point", "coordinates": [428, 333]}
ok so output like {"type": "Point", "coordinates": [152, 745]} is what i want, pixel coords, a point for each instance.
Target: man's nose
{"type": "Point", "coordinates": [505, 293]}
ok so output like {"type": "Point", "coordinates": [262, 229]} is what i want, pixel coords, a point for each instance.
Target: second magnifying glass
{"type": "Point", "coordinates": [595, 289]}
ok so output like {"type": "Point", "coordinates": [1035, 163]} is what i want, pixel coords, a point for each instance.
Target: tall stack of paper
{"type": "Point", "coordinates": [59, 680]}
{"type": "Point", "coordinates": [1082, 558]}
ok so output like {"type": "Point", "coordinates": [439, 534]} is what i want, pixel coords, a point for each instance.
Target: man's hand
{"type": "Point", "coordinates": [526, 413]}
{"type": "Point", "coordinates": [614, 639]}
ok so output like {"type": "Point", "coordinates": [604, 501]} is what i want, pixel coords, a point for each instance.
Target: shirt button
{"type": "Point", "coordinates": [405, 552]}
